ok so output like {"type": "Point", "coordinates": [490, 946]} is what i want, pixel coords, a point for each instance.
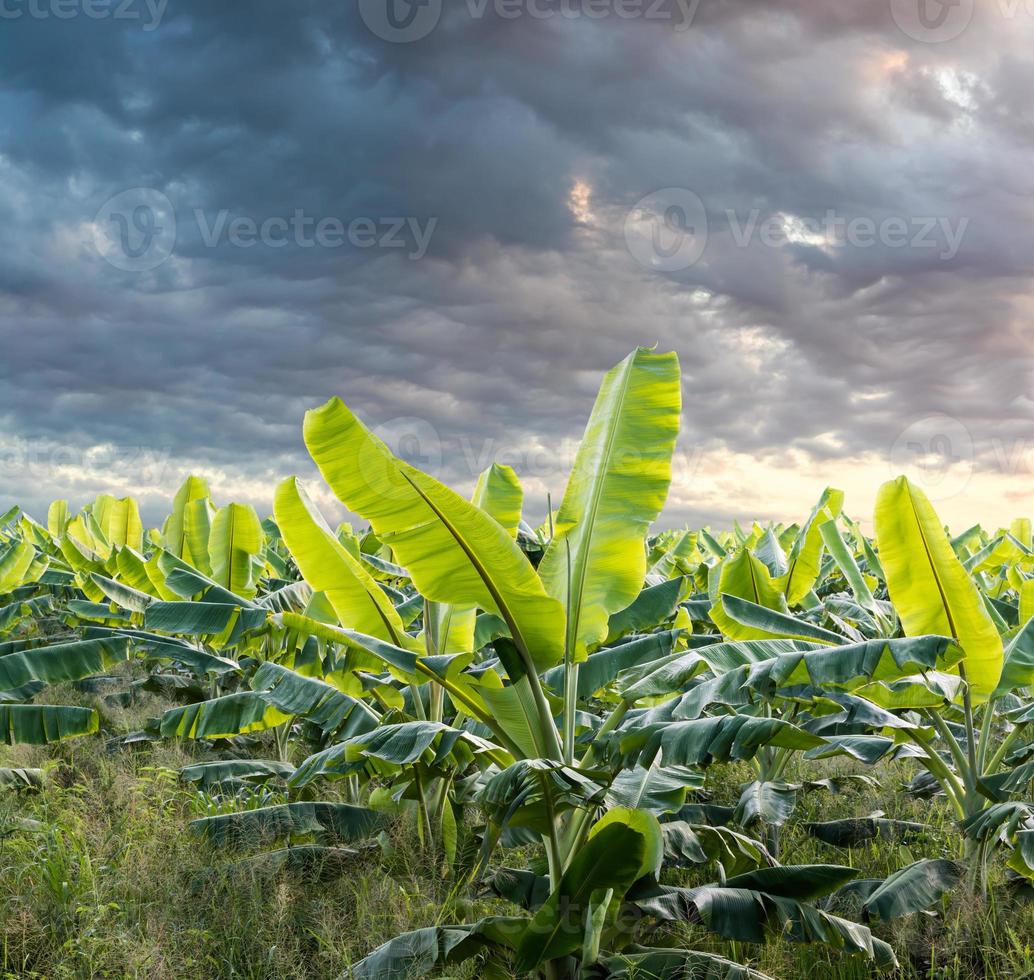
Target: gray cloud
{"type": "Point", "coordinates": [527, 141]}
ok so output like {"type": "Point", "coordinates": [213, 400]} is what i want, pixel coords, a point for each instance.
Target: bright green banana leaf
{"type": "Point", "coordinates": [744, 576]}
{"type": "Point", "coordinates": [58, 517]}
{"type": "Point", "coordinates": [359, 602]}
{"type": "Point", "coordinates": [453, 550]}
{"type": "Point", "coordinates": [193, 488]}
{"type": "Point", "coordinates": [842, 555]}
{"type": "Point", "coordinates": [498, 492]}
{"type": "Point", "coordinates": [122, 594]}
{"type": "Point", "coordinates": [197, 527]}
{"type": "Point", "coordinates": [775, 625]}
{"type": "Point", "coordinates": [132, 571]}
{"type": "Point", "coordinates": [120, 522]}
{"type": "Point", "coordinates": [806, 552]}
{"type": "Point", "coordinates": [931, 591]}
{"type": "Point", "coordinates": [14, 564]}
{"type": "Point", "coordinates": [596, 563]}
{"type": "Point", "coordinates": [235, 540]}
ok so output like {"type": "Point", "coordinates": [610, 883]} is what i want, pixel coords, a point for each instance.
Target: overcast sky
{"type": "Point", "coordinates": [214, 216]}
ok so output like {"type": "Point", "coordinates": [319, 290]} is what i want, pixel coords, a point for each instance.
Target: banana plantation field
{"type": "Point", "coordinates": [443, 742]}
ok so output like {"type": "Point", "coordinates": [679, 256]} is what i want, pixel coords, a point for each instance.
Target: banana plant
{"type": "Point", "coordinates": [530, 693]}
{"type": "Point", "coordinates": [933, 592]}
{"type": "Point", "coordinates": [33, 658]}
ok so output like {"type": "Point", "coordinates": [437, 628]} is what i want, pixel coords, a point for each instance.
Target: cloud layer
{"type": "Point", "coordinates": [824, 208]}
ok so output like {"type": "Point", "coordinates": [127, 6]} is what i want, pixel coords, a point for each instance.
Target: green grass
{"type": "Point", "coordinates": [112, 884]}
{"type": "Point", "coordinates": [965, 940]}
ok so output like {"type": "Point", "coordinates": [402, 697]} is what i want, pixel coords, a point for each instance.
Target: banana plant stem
{"type": "Point", "coordinates": [613, 720]}
{"type": "Point", "coordinates": [961, 762]}
{"type": "Point", "coordinates": [996, 760]}
{"type": "Point", "coordinates": [985, 734]}
{"type": "Point", "coordinates": [948, 780]}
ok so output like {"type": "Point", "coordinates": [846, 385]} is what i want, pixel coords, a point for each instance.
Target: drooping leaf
{"type": "Point", "coordinates": [251, 827]}
{"type": "Point", "coordinates": [767, 801]}
{"type": "Point", "coordinates": [311, 698]}
{"type": "Point", "coordinates": [641, 963]}
{"type": "Point", "coordinates": [912, 889]}
{"type": "Point", "coordinates": [852, 831]}
{"type": "Point", "coordinates": [453, 550]}
{"type": "Point", "coordinates": [21, 779]}
{"type": "Point", "coordinates": [658, 789]}
{"type": "Point", "coordinates": [416, 954]}
{"type": "Point", "coordinates": [707, 740]}
{"type": "Point", "coordinates": [224, 717]}
{"type": "Point", "coordinates": [38, 724]}
{"type": "Point", "coordinates": [211, 774]}
{"type": "Point", "coordinates": [61, 662]}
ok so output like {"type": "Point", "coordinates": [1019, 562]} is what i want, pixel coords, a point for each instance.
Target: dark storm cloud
{"type": "Point", "coordinates": [515, 147]}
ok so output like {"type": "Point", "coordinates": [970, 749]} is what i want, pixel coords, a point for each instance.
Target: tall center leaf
{"type": "Point", "coordinates": [596, 562]}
